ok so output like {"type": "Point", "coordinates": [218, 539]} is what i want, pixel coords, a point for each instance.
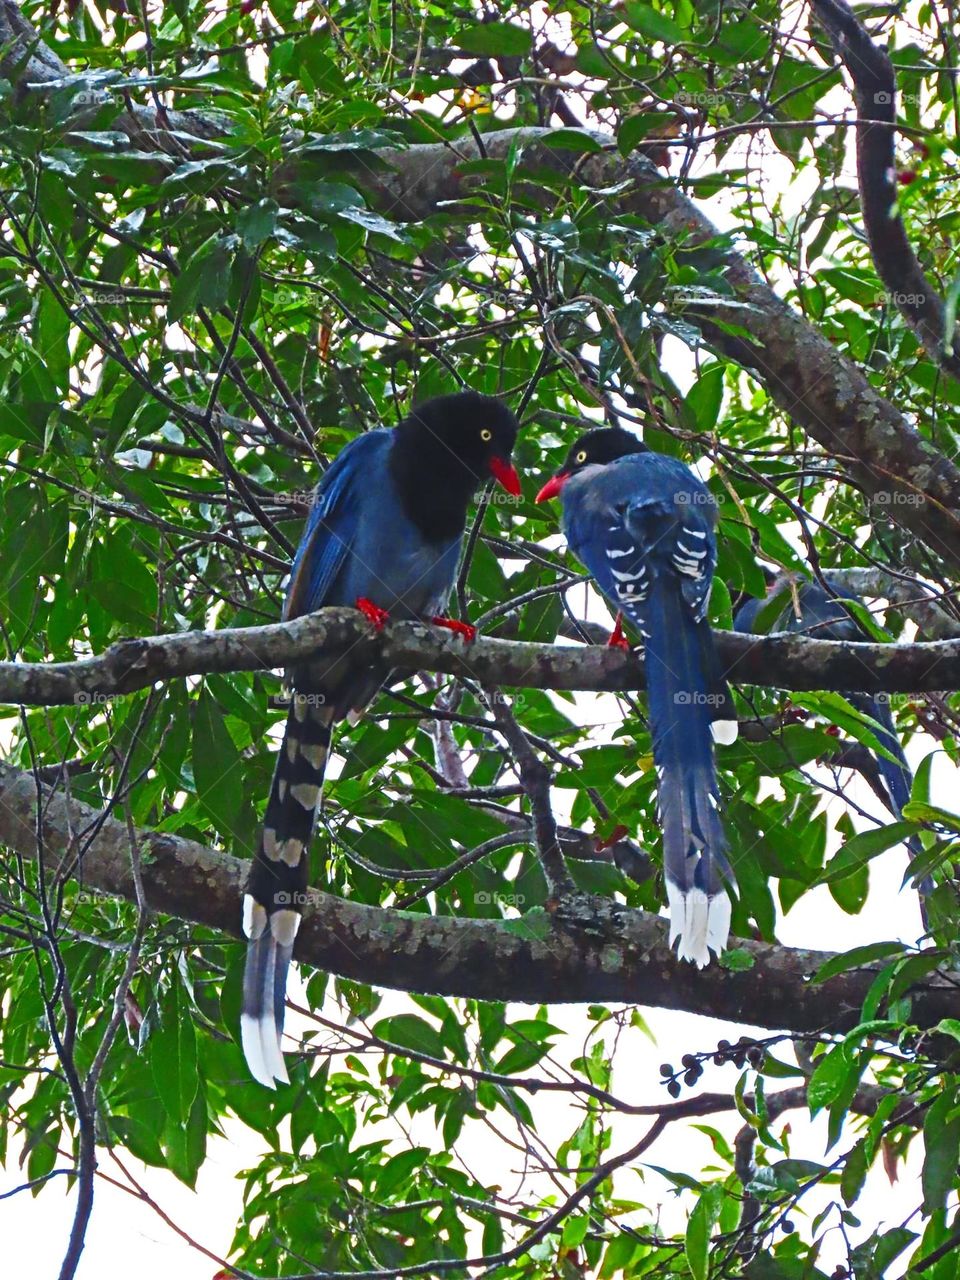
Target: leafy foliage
{"type": "Point", "coordinates": [189, 328]}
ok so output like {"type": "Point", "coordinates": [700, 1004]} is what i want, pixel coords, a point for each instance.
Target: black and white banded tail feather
{"type": "Point", "coordinates": [682, 674]}
{"type": "Point", "coordinates": [278, 878]}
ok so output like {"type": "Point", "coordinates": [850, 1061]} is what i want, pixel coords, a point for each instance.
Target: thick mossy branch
{"type": "Point", "coordinates": [779, 661]}
{"type": "Point", "coordinates": [619, 955]}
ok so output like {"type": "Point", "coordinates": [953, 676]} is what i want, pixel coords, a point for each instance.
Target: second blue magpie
{"type": "Point", "coordinates": [643, 525]}
{"type": "Point", "coordinates": [823, 615]}
{"type": "Point", "coordinates": [383, 534]}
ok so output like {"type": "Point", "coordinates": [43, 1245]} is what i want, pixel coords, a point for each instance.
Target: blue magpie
{"type": "Point", "coordinates": [822, 614]}
{"type": "Point", "coordinates": [384, 535]}
{"type": "Point", "coordinates": [643, 525]}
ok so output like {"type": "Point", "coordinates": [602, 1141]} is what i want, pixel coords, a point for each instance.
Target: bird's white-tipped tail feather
{"type": "Point", "coordinates": [260, 1036]}
{"type": "Point", "coordinates": [700, 922]}
{"type": "Point", "coordinates": [270, 943]}
{"type": "Point", "coordinates": [724, 732]}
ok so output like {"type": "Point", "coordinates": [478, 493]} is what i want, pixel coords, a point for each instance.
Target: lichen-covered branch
{"type": "Point", "coordinates": [779, 661]}
{"type": "Point", "coordinates": [623, 956]}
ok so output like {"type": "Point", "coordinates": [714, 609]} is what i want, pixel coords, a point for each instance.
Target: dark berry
{"type": "Point", "coordinates": [673, 1088]}
{"type": "Point", "coordinates": [788, 1226]}
{"type": "Point", "coordinates": [690, 1077]}
{"type": "Point", "coordinates": [688, 1060]}
{"type": "Point", "coordinates": [723, 1045]}
{"type": "Point", "coordinates": [738, 1061]}
{"type": "Point", "coordinates": [755, 1056]}
{"type": "Point", "coordinates": [666, 1069]}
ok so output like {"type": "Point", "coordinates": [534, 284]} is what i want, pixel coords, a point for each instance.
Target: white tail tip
{"type": "Point", "coordinates": [701, 923]}
{"type": "Point", "coordinates": [724, 732]}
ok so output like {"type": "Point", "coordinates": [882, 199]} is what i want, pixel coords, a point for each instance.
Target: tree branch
{"type": "Point", "coordinates": [622, 957]}
{"type": "Point", "coordinates": [782, 661]}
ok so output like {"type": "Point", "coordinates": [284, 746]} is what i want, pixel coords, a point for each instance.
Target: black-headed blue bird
{"type": "Point", "coordinates": [643, 525]}
{"type": "Point", "coordinates": [811, 610]}
{"type": "Point", "coordinates": [383, 535]}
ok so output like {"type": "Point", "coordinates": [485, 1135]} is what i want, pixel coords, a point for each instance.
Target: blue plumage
{"type": "Point", "coordinates": [822, 614]}
{"type": "Point", "coordinates": [359, 542]}
{"type": "Point", "coordinates": [384, 534]}
{"type": "Point", "coordinates": [644, 527]}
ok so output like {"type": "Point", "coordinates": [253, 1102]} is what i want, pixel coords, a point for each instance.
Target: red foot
{"type": "Point", "coordinates": [618, 640]}
{"type": "Point", "coordinates": [459, 628]}
{"type": "Point", "coordinates": [373, 613]}
{"type": "Point", "coordinates": [793, 715]}
{"type": "Point", "coordinates": [615, 836]}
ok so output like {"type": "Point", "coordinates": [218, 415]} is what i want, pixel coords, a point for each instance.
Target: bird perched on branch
{"type": "Point", "coordinates": [809, 609]}
{"type": "Point", "coordinates": [643, 525]}
{"type": "Point", "coordinates": [384, 535]}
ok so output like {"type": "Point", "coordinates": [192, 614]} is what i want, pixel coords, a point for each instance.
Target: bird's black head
{"type": "Point", "coordinates": [593, 449]}
{"type": "Point", "coordinates": [445, 449]}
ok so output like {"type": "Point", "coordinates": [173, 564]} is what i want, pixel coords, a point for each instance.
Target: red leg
{"type": "Point", "coordinates": [373, 613]}
{"type": "Point", "coordinates": [459, 628]}
{"type": "Point", "coordinates": [618, 640]}
{"type": "Point", "coordinates": [615, 836]}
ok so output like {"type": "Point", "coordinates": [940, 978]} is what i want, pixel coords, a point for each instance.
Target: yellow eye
{"type": "Point", "coordinates": [581, 456]}
{"type": "Point", "coordinates": [486, 435]}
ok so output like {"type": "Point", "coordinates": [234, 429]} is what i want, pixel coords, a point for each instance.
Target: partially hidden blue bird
{"type": "Point", "coordinates": [811, 610]}
{"type": "Point", "coordinates": [384, 535]}
{"type": "Point", "coordinates": [643, 525]}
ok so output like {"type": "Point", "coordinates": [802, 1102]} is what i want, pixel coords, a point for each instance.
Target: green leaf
{"type": "Point", "coordinates": [654, 24]}
{"type": "Point", "coordinates": [941, 1141]}
{"type": "Point", "coordinates": [699, 1229]}
{"type": "Point", "coordinates": [828, 1079]}
{"type": "Point", "coordinates": [256, 222]}
{"type": "Point", "coordinates": [574, 140]}
{"type": "Point", "coordinates": [858, 850]}
{"type": "Point", "coordinates": [173, 1057]}
{"type": "Point", "coordinates": [492, 38]}
{"type": "Point", "coordinates": [217, 768]}
{"type": "Point", "coordinates": [410, 1031]}
{"type": "Point", "coordinates": [186, 1144]}
{"type": "Point", "coordinates": [857, 957]}
{"type": "Point", "coordinates": [52, 333]}
{"type": "Point", "coordinates": [704, 399]}
{"type": "Point", "coordinates": [737, 960]}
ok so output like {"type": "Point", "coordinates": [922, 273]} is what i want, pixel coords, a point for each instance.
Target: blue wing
{"type": "Point", "coordinates": [333, 522]}
{"type": "Point", "coordinates": [647, 516]}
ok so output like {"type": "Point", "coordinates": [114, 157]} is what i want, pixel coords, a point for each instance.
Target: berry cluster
{"type": "Point", "coordinates": [744, 1051]}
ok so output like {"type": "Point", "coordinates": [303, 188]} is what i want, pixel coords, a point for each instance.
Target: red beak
{"type": "Point", "coordinates": [552, 487]}
{"type": "Point", "coordinates": [506, 476]}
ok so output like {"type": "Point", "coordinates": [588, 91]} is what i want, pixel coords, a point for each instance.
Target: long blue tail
{"type": "Point", "coordinates": [681, 688]}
